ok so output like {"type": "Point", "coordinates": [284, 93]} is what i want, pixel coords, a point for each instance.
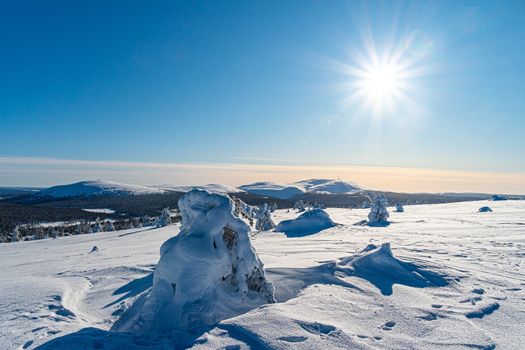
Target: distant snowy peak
{"type": "Point", "coordinates": [212, 188]}
{"type": "Point", "coordinates": [287, 191]}
{"type": "Point", "coordinates": [328, 186]}
{"type": "Point", "coordinates": [272, 189]}
{"type": "Point", "coordinates": [96, 188]}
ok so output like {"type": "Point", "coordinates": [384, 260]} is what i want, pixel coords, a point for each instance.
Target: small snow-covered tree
{"type": "Point", "coordinates": [365, 205]}
{"type": "Point", "coordinates": [399, 208]}
{"type": "Point", "coordinates": [299, 205]}
{"type": "Point", "coordinates": [15, 235]}
{"type": "Point", "coordinates": [97, 227]}
{"type": "Point", "coordinates": [264, 219]}
{"type": "Point", "coordinates": [378, 214]}
{"type": "Point", "coordinates": [108, 226]}
{"type": "Point", "coordinates": [273, 207]}
{"type": "Point", "coordinates": [164, 219]}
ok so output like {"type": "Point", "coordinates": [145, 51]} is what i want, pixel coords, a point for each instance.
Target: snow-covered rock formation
{"type": "Point", "coordinates": [309, 222]}
{"type": "Point", "coordinates": [264, 219]}
{"type": "Point", "coordinates": [378, 214]}
{"type": "Point", "coordinates": [399, 208]}
{"type": "Point", "coordinates": [208, 272]}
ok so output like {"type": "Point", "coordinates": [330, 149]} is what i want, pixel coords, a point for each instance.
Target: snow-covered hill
{"type": "Point", "coordinates": [451, 278]}
{"type": "Point", "coordinates": [328, 186]}
{"type": "Point", "coordinates": [213, 188]}
{"type": "Point", "coordinates": [94, 188]}
{"type": "Point", "coordinates": [273, 189]}
{"type": "Point", "coordinates": [287, 191]}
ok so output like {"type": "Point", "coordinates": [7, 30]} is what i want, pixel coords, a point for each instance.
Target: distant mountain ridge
{"type": "Point", "coordinates": [287, 191]}
{"type": "Point", "coordinates": [95, 188]}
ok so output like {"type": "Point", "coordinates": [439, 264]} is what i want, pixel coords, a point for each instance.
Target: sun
{"type": "Point", "coordinates": [382, 82]}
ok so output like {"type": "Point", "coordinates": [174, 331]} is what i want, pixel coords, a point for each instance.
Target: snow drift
{"type": "Point", "coordinates": [208, 272]}
{"type": "Point", "coordinates": [485, 210]}
{"type": "Point", "coordinates": [380, 267]}
{"type": "Point", "coordinates": [309, 222]}
{"type": "Point", "coordinates": [96, 188]}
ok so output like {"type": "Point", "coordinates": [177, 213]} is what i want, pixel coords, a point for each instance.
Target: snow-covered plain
{"type": "Point", "coordinates": [453, 278]}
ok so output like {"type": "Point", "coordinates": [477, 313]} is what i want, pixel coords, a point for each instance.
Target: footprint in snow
{"type": "Point", "coordinates": [293, 339]}
{"type": "Point", "coordinates": [389, 325]}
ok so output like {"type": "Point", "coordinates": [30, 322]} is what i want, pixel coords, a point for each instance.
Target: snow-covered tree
{"type": "Point", "coordinates": [264, 220]}
{"type": "Point", "coordinates": [399, 208]}
{"type": "Point", "coordinates": [206, 273]}
{"type": "Point", "coordinates": [299, 205]}
{"type": "Point", "coordinates": [97, 227]}
{"type": "Point", "coordinates": [164, 218]}
{"type": "Point", "coordinates": [365, 205]}
{"type": "Point", "coordinates": [378, 214]}
{"type": "Point", "coordinates": [51, 232]}
{"type": "Point", "coordinates": [15, 235]}
{"type": "Point", "coordinates": [108, 226]}
{"type": "Point", "coordinates": [273, 207]}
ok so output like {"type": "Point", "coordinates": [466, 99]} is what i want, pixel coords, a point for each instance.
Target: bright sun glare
{"type": "Point", "coordinates": [383, 82]}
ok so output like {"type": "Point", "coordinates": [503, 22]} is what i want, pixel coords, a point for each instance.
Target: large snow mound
{"type": "Point", "coordinates": [379, 266]}
{"type": "Point", "coordinates": [309, 222]}
{"type": "Point", "coordinates": [328, 186]}
{"type": "Point", "coordinates": [272, 189]}
{"type": "Point", "coordinates": [207, 273]}
{"type": "Point", "coordinates": [95, 188]}
{"type": "Point", "coordinates": [213, 188]}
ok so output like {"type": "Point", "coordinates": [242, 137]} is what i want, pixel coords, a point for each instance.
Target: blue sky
{"type": "Point", "coordinates": [252, 82]}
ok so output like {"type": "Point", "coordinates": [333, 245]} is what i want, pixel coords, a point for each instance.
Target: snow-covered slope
{"type": "Point", "coordinates": [328, 186]}
{"type": "Point", "coordinates": [93, 188]}
{"type": "Point", "coordinates": [452, 279]}
{"type": "Point", "coordinates": [273, 189]}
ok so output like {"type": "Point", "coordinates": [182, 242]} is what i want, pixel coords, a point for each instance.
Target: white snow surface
{"type": "Point", "coordinates": [309, 222]}
{"type": "Point", "coordinates": [94, 188]}
{"type": "Point", "coordinates": [451, 278]}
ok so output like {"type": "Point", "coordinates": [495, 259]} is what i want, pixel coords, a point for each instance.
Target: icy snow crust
{"type": "Point", "coordinates": [207, 273]}
{"type": "Point", "coordinates": [309, 222]}
{"type": "Point", "coordinates": [94, 188]}
{"type": "Point", "coordinates": [332, 291]}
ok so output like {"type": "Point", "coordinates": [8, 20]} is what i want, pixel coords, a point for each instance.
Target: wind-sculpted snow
{"type": "Point", "coordinates": [331, 293]}
{"type": "Point", "coordinates": [380, 267]}
{"type": "Point", "coordinates": [309, 222]}
{"type": "Point", "coordinates": [208, 272]}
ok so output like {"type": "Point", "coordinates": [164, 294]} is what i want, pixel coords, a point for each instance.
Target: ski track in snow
{"type": "Point", "coordinates": [55, 292]}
